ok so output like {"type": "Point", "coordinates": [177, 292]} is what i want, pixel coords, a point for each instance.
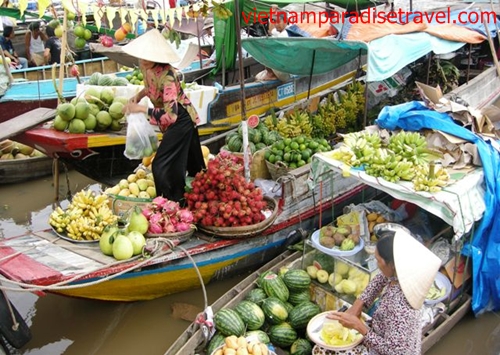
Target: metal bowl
{"type": "Point", "coordinates": [387, 229]}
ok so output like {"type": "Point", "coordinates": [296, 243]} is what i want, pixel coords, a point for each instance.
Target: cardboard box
{"type": "Point", "coordinates": [458, 271]}
{"type": "Point", "coordinates": [121, 205]}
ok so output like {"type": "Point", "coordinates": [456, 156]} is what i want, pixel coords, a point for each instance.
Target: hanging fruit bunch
{"type": "Point", "coordinates": [221, 11]}
{"type": "Point", "coordinates": [221, 197]}
{"type": "Point", "coordinates": [173, 36]}
{"type": "Point", "coordinates": [82, 36]}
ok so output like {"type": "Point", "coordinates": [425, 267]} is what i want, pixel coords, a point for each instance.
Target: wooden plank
{"type": "Point", "coordinates": [442, 329]}
{"type": "Point", "coordinates": [25, 121]}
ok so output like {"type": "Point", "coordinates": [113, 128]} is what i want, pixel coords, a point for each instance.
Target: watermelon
{"type": "Point", "coordinates": [274, 286]}
{"type": "Point", "coordinates": [257, 335]}
{"type": "Point", "coordinates": [120, 82]}
{"type": "Point", "coordinates": [261, 277]}
{"type": "Point", "coordinates": [252, 147]}
{"type": "Point", "coordinates": [235, 144]}
{"type": "Point", "coordinates": [302, 314]}
{"type": "Point", "coordinates": [256, 295]}
{"type": "Point", "coordinates": [105, 80]}
{"type": "Point", "coordinates": [251, 134]}
{"type": "Point", "coordinates": [288, 306]}
{"type": "Point", "coordinates": [301, 347]}
{"type": "Point", "coordinates": [228, 322]}
{"type": "Point", "coordinates": [297, 280]}
{"type": "Point", "coordinates": [253, 121]}
{"type": "Point", "coordinates": [257, 137]}
{"type": "Point", "coordinates": [217, 340]}
{"type": "Point", "coordinates": [260, 146]}
{"type": "Point", "coordinates": [231, 135]}
{"type": "Point", "coordinates": [297, 298]}
{"type": "Point", "coordinates": [282, 335]}
{"type": "Point", "coordinates": [323, 262]}
{"type": "Point", "coordinates": [274, 310]}
{"type": "Point", "coordinates": [251, 314]}
{"type": "Point", "coordinates": [94, 78]}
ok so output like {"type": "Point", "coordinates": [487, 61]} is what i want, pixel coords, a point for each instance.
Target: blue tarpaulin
{"type": "Point", "coordinates": [484, 248]}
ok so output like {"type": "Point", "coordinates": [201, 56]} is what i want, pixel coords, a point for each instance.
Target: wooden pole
{"type": "Point", "coordinates": [492, 47]}
{"type": "Point", "coordinates": [64, 44]}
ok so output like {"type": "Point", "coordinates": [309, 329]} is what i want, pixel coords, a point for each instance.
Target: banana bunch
{"type": "Point", "coordinates": [221, 11]}
{"type": "Point", "coordinates": [287, 130]}
{"type": "Point", "coordinates": [302, 121]}
{"type": "Point", "coordinates": [363, 145]}
{"type": "Point", "coordinates": [271, 121]}
{"type": "Point", "coordinates": [390, 167]}
{"type": "Point", "coordinates": [412, 146]}
{"type": "Point", "coordinates": [345, 155]}
{"type": "Point", "coordinates": [429, 179]}
{"type": "Point", "coordinates": [59, 219]}
{"type": "Point", "coordinates": [174, 37]}
{"type": "Point", "coordinates": [85, 218]}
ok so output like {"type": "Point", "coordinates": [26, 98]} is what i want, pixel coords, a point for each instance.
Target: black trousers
{"type": "Point", "coordinates": [179, 151]}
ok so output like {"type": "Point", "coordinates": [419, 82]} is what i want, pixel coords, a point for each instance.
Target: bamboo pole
{"type": "Point", "coordinates": [64, 44]}
{"type": "Point", "coordinates": [492, 47]}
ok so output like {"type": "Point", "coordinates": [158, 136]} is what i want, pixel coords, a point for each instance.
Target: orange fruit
{"type": "Point", "coordinates": [120, 35]}
{"type": "Point", "coordinates": [127, 28]}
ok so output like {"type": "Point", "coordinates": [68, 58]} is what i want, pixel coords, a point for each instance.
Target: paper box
{"type": "Point", "coordinates": [458, 271]}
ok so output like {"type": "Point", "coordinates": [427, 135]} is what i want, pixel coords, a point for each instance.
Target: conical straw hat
{"type": "Point", "coordinates": [416, 267]}
{"type": "Point", "coordinates": [152, 46]}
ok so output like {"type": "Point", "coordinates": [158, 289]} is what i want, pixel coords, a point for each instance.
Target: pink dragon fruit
{"type": "Point", "coordinates": [170, 207]}
{"type": "Point", "coordinates": [169, 228]}
{"type": "Point", "coordinates": [147, 212]}
{"type": "Point", "coordinates": [156, 218]}
{"type": "Point", "coordinates": [159, 202]}
{"type": "Point", "coordinates": [155, 228]}
{"type": "Point", "coordinates": [185, 216]}
{"type": "Point", "coordinates": [183, 227]}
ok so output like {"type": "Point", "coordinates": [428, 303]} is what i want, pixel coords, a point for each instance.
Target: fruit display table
{"type": "Point", "coordinates": [460, 204]}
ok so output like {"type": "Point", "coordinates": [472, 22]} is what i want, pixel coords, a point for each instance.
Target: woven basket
{"type": "Point", "coordinates": [277, 170]}
{"type": "Point", "coordinates": [180, 236]}
{"type": "Point", "coordinates": [244, 231]}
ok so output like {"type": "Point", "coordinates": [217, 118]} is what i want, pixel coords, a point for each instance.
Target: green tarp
{"type": "Point", "coordinates": [298, 56]}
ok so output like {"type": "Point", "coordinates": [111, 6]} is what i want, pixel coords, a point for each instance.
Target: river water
{"type": "Point", "coordinates": [63, 325]}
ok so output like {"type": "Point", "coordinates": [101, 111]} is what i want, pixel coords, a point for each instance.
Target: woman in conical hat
{"type": "Point", "coordinates": [407, 271]}
{"type": "Point", "coordinates": [180, 148]}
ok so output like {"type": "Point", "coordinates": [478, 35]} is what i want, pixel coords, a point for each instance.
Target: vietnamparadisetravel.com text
{"type": "Point", "coordinates": [368, 16]}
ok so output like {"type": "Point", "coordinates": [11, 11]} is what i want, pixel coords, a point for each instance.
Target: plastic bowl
{"type": "Point", "coordinates": [441, 281]}
{"type": "Point", "coordinates": [336, 251]}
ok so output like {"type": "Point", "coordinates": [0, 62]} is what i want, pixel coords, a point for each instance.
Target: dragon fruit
{"type": "Point", "coordinates": [155, 228]}
{"type": "Point", "coordinates": [165, 216]}
{"type": "Point", "coordinates": [183, 227]}
{"type": "Point", "coordinates": [185, 216]}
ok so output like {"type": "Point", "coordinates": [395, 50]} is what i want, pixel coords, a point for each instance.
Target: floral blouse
{"type": "Point", "coordinates": [396, 326]}
{"type": "Point", "coordinates": [165, 92]}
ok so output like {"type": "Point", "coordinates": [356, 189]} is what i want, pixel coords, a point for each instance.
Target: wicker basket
{"type": "Point", "coordinates": [277, 170]}
{"type": "Point", "coordinates": [244, 231]}
{"type": "Point", "coordinates": [180, 236]}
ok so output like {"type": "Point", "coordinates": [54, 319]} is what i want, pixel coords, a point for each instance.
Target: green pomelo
{"type": "Point", "coordinates": [82, 110]}
{"type": "Point", "coordinates": [76, 126]}
{"type": "Point", "coordinates": [74, 100]}
{"type": "Point", "coordinates": [58, 31]}
{"type": "Point", "coordinates": [79, 31]}
{"type": "Point", "coordinates": [94, 109]}
{"type": "Point", "coordinates": [90, 122]}
{"type": "Point", "coordinates": [60, 124]}
{"type": "Point", "coordinates": [54, 23]}
{"type": "Point", "coordinates": [107, 96]}
{"type": "Point", "coordinates": [121, 99]}
{"type": "Point", "coordinates": [116, 125]}
{"type": "Point", "coordinates": [80, 43]}
{"type": "Point", "coordinates": [87, 34]}
{"type": "Point", "coordinates": [66, 111]}
{"type": "Point", "coordinates": [116, 110]}
{"type": "Point", "coordinates": [92, 95]}
{"type": "Point", "coordinates": [103, 119]}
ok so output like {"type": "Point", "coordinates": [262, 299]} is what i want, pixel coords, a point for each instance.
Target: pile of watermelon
{"type": "Point", "coordinates": [259, 138]}
{"type": "Point", "coordinates": [100, 79]}
{"type": "Point", "coordinates": [276, 312]}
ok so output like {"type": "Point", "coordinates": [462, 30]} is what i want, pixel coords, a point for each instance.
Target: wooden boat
{"type": "Point", "coordinates": [40, 260]}
{"type": "Point", "coordinates": [193, 339]}
{"type": "Point", "coordinates": [100, 155]}
{"type": "Point", "coordinates": [17, 170]}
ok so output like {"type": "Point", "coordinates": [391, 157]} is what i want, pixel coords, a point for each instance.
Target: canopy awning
{"type": "Point", "coordinates": [303, 56]}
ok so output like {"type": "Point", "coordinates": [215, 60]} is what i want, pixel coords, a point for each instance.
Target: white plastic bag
{"type": "Point", "coordinates": [141, 140]}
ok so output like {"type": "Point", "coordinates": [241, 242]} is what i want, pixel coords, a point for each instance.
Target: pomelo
{"type": "Point", "coordinates": [107, 96]}
{"type": "Point", "coordinates": [116, 110]}
{"type": "Point", "coordinates": [104, 119]}
{"type": "Point", "coordinates": [121, 99]}
{"type": "Point", "coordinates": [58, 31]}
{"type": "Point", "coordinates": [76, 126]}
{"type": "Point", "coordinates": [94, 109]}
{"type": "Point", "coordinates": [87, 34]}
{"type": "Point", "coordinates": [66, 111]}
{"type": "Point", "coordinates": [116, 125]}
{"type": "Point", "coordinates": [80, 43]}
{"type": "Point", "coordinates": [60, 124]}
{"type": "Point", "coordinates": [90, 122]}
{"type": "Point", "coordinates": [82, 110]}
{"type": "Point", "coordinates": [79, 31]}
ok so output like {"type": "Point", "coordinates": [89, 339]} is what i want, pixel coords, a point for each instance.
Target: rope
{"type": "Point", "coordinates": [15, 323]}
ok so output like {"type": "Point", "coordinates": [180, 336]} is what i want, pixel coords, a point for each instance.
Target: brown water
{"type": "Point", "coordinates": [62, 325]}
